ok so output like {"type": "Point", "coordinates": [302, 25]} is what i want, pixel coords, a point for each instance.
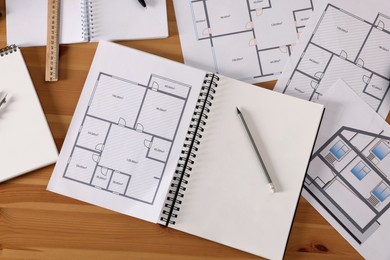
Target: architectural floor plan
{"type": "Point", "coordinates": [348, 179]}
{"type": "Point", "coordinates": [248, 40]}
{"type": "Point", "coordinates": [353, 163]}
{"type": "Point", "coordinates": [126, 135]}
{"type": "Point", "coordinates": [343, 45]}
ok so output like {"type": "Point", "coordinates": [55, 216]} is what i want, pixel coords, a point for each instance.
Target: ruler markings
{"type": "Point", "coordinates": [52, 49]}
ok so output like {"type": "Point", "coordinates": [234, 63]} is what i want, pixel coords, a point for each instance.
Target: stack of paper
{"type": "Point", "coordinates": [348, 181]}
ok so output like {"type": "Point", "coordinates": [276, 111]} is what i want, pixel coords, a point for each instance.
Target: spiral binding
{"type": "Point", "coordinates": [189, 151]}
{"type": "Point", "coordinates": [7, 50]}
{"type": "Point", "coordinates": [87, 20]}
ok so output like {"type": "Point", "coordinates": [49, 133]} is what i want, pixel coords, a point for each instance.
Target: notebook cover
{"type": "Point", "coordinates": [26, 143]}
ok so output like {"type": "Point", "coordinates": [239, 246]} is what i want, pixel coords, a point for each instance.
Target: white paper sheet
{"type": "Point", "coordinates": [27, 22]}
{"type": "Point", "coordinates": [348, 39]}
{"type": "Point", "coordinates": [26, 143]}
{"type": "Point", "coordinates": [126, 135]}
{"type": "Point", "coordinates": [228, 199]}
{"type": "Point", "coordinates": [83, 20]}
{"type": "Point", "coordinates": [348, 180]}
{"type": "Point", "coordinates": [245, 40]}
{"type": "Point", "coordinates": [128, 20]}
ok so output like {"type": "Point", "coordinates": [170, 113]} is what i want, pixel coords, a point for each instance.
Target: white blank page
{"type": "Point", "coordinates": [228, 199]}
{"type": "Point", "coordinates": [27, 22]}
{"type": "Point", "coordinates": [112, 20]}
{"type": "Point", "coordinates": [128, 20]}
{"type": "Point", "coordinates": [25, 139]}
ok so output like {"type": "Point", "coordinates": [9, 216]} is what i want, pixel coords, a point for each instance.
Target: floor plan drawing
{"type": "Point", "coordinates": [126, 135]}
{"type": "Point", "coordinates": [345, 46]}
{"type": "Point", "coordinates": [249, 40]}
{"type": "Point", "coordinates": [353, 184]}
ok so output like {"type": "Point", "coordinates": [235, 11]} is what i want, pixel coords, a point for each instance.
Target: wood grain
{"type": "Point", "coordinates": [36, 224]}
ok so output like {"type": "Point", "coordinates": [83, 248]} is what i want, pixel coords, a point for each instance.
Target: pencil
{"type": "Point", "coordinates": [241, 116]}
{"type": "Point", "coordinates": [142, 2]}
{"type": "Point", "coordinates": [3, 101]}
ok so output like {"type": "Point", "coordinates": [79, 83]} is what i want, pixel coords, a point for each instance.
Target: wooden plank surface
{"type": "Point", "coordinates": [36, 224]}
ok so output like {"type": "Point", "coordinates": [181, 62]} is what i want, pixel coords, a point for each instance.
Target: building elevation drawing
{"type": "Point", "coordinates": [352, 183]}
{"type": "Point", "coordinates": [345, 46]}
{"type": "Point", "coordinates": [249, 40]}
{"type": "Point", "coordinates": [126, 135]}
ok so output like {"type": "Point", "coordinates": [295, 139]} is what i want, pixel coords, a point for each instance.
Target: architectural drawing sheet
{"type": "Point", "coordinates": [126, 135]}
{"type": "Point", "coordinates": [249, 40]}
{"type": "Point", "coordinates": [127, 132]}
{"type": "Point", "coordinates": [348, 179]}
{"type": "Point", "coordinates": [348, 39]}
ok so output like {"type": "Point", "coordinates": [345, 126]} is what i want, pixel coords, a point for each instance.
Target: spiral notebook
{"type": "Point", "coordinates": [26, 143]}
{"type": "Point", "coordinates": [161, 141]}
{"type": "Point", "coordinates": [86, 20]}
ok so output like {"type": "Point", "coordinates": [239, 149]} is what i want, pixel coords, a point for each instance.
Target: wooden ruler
{"type": "Point", "coordinates": [53, 41]}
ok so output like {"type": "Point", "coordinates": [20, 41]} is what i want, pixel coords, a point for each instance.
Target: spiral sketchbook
{"type": "Point", "coordinates": [86, 21]}
{"type": "Point", "coordinates": [161, 141]}
{"type": "Point", "coordinates": [26, 143]}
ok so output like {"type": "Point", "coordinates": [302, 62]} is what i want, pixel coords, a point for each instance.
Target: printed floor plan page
{"type": "Point", "coordinates": [126, 136]}
{"type": "Point", "coordinates": [348, 180]}
{"type": "Point", "coordinates": [348, 43]}
{"type": "Point", "coordinates": [249, 40]}
{"type": "Point", "coordinates": [127, 132]}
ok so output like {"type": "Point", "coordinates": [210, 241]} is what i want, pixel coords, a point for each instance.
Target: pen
{"type": "Point", "coordinates": [142, 2]}
{"type": "Point", "coordinates": [3, 102]}
{"type": "Point", "coordinates": [241, 116]}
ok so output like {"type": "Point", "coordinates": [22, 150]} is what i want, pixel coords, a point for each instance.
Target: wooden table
{"type": "Point", "coordinates": [37, 224]}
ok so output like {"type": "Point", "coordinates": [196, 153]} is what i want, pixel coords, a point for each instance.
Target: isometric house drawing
{"type": "Point", "coordinates": [347, 177]}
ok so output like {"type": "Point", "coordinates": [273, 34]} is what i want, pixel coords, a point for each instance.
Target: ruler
{"type": "Point", "coordinates": [53, 44]}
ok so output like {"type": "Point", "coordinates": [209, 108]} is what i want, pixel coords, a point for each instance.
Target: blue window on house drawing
{"type": "Point", "coordinates": [382, 191]}
{"type": "Point", "coordinates": [360, 170]}
{"type": "Point", "coordinates": [339, 150]}
{"type": "Point", "coordinates": [381, 151]}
